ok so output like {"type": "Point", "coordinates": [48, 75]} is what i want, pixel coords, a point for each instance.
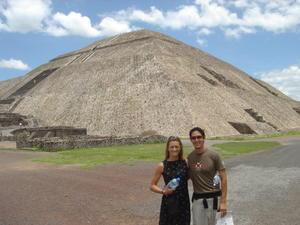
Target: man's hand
{"type": "Point", "coordinates": [223, 209]}
{"type": "Point", "coordinates": [223, 205]}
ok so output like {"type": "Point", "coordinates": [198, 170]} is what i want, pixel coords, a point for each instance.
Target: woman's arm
{"type": "Point", "coordinates": [154, 187]}
{"type": "Point", "coordinates": [155, 179]}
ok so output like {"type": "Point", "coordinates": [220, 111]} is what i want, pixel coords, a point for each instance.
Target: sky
{"type": "Point", "coordinates": [260, 37]}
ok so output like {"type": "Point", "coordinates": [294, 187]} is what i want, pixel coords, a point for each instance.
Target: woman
{"type": "Point", "coordinates": [175, 204]}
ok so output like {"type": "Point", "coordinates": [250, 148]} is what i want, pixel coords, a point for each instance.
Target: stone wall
{"type": "Point", "coordinates": [7, 138]}
{"type": "Point", "coordinates": [12, 119]}
{"type": "Point", "coordinates": [74, 142]}
{"type": "Point", "coordinates": [41, 132]}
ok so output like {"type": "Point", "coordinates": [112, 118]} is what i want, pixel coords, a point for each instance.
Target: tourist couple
{"type": "Point", "coordinates": [201, 166]}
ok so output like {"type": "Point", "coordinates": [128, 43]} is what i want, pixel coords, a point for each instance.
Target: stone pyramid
{"type": "Point", "coordinates": [144, 81]}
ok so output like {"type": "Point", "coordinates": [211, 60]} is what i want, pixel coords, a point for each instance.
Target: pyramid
{"type": "Point", "coordinates": [144, 81]}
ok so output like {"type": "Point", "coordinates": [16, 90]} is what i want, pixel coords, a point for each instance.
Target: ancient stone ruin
{"type": "Point", "coordinates": [11, 121]}
{"type": "Point", "coordinates": [61, 138]}
{"type": "Point", "coordinates": [144, 80]}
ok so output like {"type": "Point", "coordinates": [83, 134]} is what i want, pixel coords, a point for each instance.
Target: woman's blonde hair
{"type": "Point", "coordinates": [172, 138]}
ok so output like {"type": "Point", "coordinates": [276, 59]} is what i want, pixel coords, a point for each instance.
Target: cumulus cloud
{"type": "Point", "coordinates": [13, 64]}
{"type": "Point", "coordinates": [237, 32]}
{"type": "Point", "coordinates": [186, 16]}
{"type": "Point", "coordinates": [36, 16]}
{"type": "Point", "coordinates": [76, 24]}
{"type": "Point", "coordinates": [272, 19]}
{"type": "Point", "coordinates": [183, 17]}
{"type": "Point", "coordinates": [201, 42]}
{"type": "Point", "coordinates": [24, 15]}
{"type": "Point", "coordinates": [286, 80]}
{"type": "Point", "coordinates": [152, 16]}
{"type": "Point", "coordinates": [110, 26]}
{"type": "Point", "coordinates": [71, 24]}
{"type": "Point", "coordinates": [204, 31]}
{"type": "Point", "coordinates": [233, 17]}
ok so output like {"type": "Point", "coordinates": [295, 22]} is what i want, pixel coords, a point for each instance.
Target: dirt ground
{"type": "Point", "coordinates": [40, 194]}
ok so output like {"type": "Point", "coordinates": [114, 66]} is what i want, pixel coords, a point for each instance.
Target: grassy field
{"type": "Point", "coordinates": [259, 136]}
{"type": "Point", "coordinates": [231, 149]}
{"type": "Point", "coordinates": [91, 157]}
{"type": "Point", "coordinates": [129, 154]}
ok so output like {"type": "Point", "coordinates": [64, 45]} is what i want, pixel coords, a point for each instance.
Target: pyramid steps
{"type": "Point", "coordinates": [297, 110]}
{"type": "Point", "coordinates": [24, 88]}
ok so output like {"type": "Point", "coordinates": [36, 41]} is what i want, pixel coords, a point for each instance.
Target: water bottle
{"type": "Point", "coordinates": [173, 184]}
{"type": "Point", "coordinates": [216, 181]}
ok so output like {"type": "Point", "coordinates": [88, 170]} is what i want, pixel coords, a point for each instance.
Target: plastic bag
{"type": "Point", "coordinates": [226, 220]}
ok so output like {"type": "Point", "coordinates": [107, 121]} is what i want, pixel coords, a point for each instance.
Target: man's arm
{"type": "Point", "coordinates": [223, 205]}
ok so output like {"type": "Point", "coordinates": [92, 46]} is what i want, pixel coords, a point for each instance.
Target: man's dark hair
{"type": "Point", "coordinates": [197, 129]}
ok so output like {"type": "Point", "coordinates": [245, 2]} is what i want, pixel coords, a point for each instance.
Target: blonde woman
{"type": "Point", "coordinates": [175, 204]}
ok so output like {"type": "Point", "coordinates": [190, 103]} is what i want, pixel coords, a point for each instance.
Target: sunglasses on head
{"type": "Point", "coordinates": [197, 137]}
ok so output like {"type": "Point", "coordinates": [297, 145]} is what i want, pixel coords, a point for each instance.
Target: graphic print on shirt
{"type": "Point", "coordinates": [199, 166]}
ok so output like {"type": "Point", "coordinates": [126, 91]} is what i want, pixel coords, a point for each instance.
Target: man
{"type": "Point", "coordinates": [204, 164]}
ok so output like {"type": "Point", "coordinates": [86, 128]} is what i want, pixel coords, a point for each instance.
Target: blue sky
{"type": "Point", "coordinates": [260, 37]}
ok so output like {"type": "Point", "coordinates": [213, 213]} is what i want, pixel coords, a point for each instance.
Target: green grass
{"type": "Point", "coordinates": [91, 157]}
{"type": "Point", "coordinates": [259, 136]}
{"type": "Point", "coordinates": [231, 149]}
{"type": "Point", "coordinates": [129, 154]}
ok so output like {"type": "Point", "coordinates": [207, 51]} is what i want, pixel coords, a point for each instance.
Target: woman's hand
{"type": "Point", "coordinates": [168, 191]}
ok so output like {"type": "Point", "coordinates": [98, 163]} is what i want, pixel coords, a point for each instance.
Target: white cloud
{"type": "Point", "coordinates": [204, 31]}
{"type": "Point", "coordinates": [201, 42]}
{"type": "Point", "coordinates": [190, 16]}
{"type": "Point", "coordinates": [13, 64]}
{"type": "Point", "coordinates": [110, 26]}
{"type": "Point", "coordinates": [71, 24]}
{"type": "Point", "coordinates": [24, 15]}
{"type": "Point", "coordinates": [272, 20]}
{"type": "Point", "coordinates": [185, 16]}
{"type": "Point", "coordinates": [153, 16]}
{"type": "Point", "coordinates": [286, 80]}
{"type": "Point", "coordinates": [233, 17]}
{"type": "Point", "coordinates": [2, 26]}
{"type": "Point", "coordinates": [214, 14]}
{"type": "Point", "coordinates": [237, 32]}
{"type": "Point", "coordinates": [36, 16]}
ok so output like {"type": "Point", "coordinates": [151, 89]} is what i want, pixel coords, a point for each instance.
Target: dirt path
{"type": "Point", "coordinates": [42, 194]}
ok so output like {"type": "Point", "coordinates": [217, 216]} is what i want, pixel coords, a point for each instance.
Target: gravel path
{"type": "Point", "coordinates": [264, 188]}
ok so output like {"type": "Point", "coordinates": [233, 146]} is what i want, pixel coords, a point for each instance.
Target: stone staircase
{"type": "Point", "coordinates": [23, 88]}
{"type": "Point", "coordinates": [297, 110]}
{"type": "Point", "coordinates": [242, 128]}
{"type": "Point", "coordinates": [253, 128]}
{"type": "Point", "coordinates": [10, 121]}
{"type": "Point", "coordinates": [14, 96]}
{"type": "Point", "coordinates": [259, 118]}
{"type": "Point", "coordinates": [259, 126]}
{"type": "Point", "coordinates": [5, 104]}
{"type": "Point", "coordinates": [255, 115]}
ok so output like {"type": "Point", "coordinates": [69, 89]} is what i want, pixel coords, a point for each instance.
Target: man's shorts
{"type": "Point", "coordinates": [202, 215]}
